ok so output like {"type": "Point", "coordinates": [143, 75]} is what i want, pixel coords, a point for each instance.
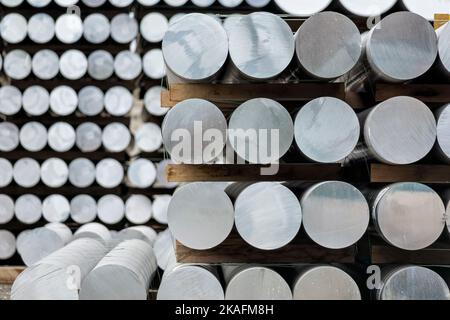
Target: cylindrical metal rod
{"type": "Point", "coordinates": [335, 214]}
{"type": "Point", "coordinates": [109, 173]}
{"type": "Point", "coordinates": [127, 65]}
{"type": "Point", "coordinates": [141, 173]}
{"type": "Point", "coordinates": [267, 215]}
{"type": "Point", "coordinates": [207, 43]}
{"type": "Point", "coordinates": [54, 172]}
{"type": "Point", "coordinates": [33, 136]}
{"type": "Point", "coordinates": [328, 45]}
{"type": "Point", "coordinates": [69, 28]}
{"type": "Point", "coordinates": [189, 282]}
{"type": "Point", "coordinates": [100, 65]}
{"type": "Point", "coordinates": [443, 34]}
{"type": "Point", "coordinates": [326, 130]}
{"type": "Point", "coordinates": [148, 3]}
{"type": "Point", "coordinates": [9, 136]}
{"type": "Point", "coordinates": [161, 179]}
{"type": "Point", "coordinates": [442, 145]}
{"type": "Point", "coordinates": [302, 8]}
{"type": "Point", "coordinates": [152, 101]}
{"type": "Point", "coordinates": [6, 209]}
{"type": "Point", "coordinates": [154, 26]}
{"type": "Point", "coordinates": [186, 212]}
{"type": "Point", "coordinates": [260, 131]}
{"type": "Point", "coordinates": [13, 28]}
{"type": "Point", "coordinates": [61, 136]}
{"type": "Point", "coordinates": [124, 274]}
{"type": "Point", "coordinates": [83, 209]}
{"type": "Point", "coordinates": [257, 3]}
{"type": "Point", "coordinates": [121, 3]}
{"type": "Point", "coordinates": [427, 9]}
{"type": "Point", "coordinates": [118, 100]}
{"type": "Point", "coordinates": [176, 3]}
{"type": "Point", "coordinates": [202, 115]}
{"type": "Point", "coordinates": [36, 100]}
{"type": "Point", "coordinates": [56, 208]}
{"type": "Point", "coordinates": [160, 207]}
{"type": "Point", "coordinates": [94, 3]}
{"type": "Point", "coordinates": [45, 64]}
{"type": "Point", "coordinates": [399, 131]}
{"type": "Point", "coordinates": [96, 28]}
{"type": "Point", "coordinates": [11, 3]}
{"type": "Point", "coordinates": [47, 280]}
{"type": "Point", "coordinates": [28, 209]}
{"type": "Point", "coordinates": [148, 137]}
{"type": "Point", "coordinates": [90, 100]}
{"type": "Point", "coordinates": [412, 283]}
{"type": "Point", "coordinates": [230, 3]}
{"type": "Point", "coordinates": [6, 172]}
{"type": "Point", "coordinates": [81, 172]}
{"type": "Point", "coordinates": [10, 100]}
{"type": "Point", "coordinates": [138, 209]}
{"type": "Point", "coordinates": [95, 231]}
{"type": "Point", "coordinates": [27, 172]}
{"type": "Point", "coordinates": [124, 28]}
{"type": "Point", "coordinates": [410, 216]}
{"type": "Point", "coordinates": [143, 233]}
{"type": "Point", "coordinates": [116, 137]}
{"type": "Point", "coordinates": [255, 283]}
{"type": "Point", "coordinates": [88, 137]}
{"type": "Point", "coordinates": [153, 64]}
{"type": "Point", "coordinates": [73, 64]}
{"type": "Point", "coordinates": [8, 247]}
{"type": "Point", "coordinates": [41, 28]}
{"type": "Point", "coordinates": [325, 283]}
{"type": "Point", "coordinates": [261, 45]}
{"type": "Point", "coordinates": [63, 100]}
{"type": "Point", "coordinates": [39, 3]}
{"type": "Point", "coordinates": [164, 248]}
{"type": "Point", "coordinates": [367, 8]}
{"type": "Point", "coordinates": [110, 209]}
{"type": "Point", "coordinates": [17, 64]}
{"type": "Point", "coordinates": [203, 3]}
{"type": "Point", "coordinates": [66, 3]}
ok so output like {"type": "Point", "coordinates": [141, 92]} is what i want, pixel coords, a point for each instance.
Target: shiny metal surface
{"type": "Point", "coordinates": [96, 28]}
{"type": "Point", "coordinates": [124, 28]}
{"type": "Point", "coordinates": [6, 209]}
{"type": "Point", "coordinates": [63, 100]}
{"type": "Point", "coordinates": [257, 3]}
{"type": "Point", "coordinates": [148, 3]}
{"type": "Point", "coordinates": [69, 28]}
{"type": "Point", "coordinates": [444, 47]}
{"type": "Point", "coordinates": [17, 64]}
{"type": "Point", "coordinates": [125, 273]}
{"type": "Point", "coordinates": [54, 172]}
{"type": "Point", "coordinates": [9, 136]}
{"type": "Point", "coordinates": [13, 28]}
{"type": "Point", "coordinates": [39, 3]}
{"type": "Point", "coordinates": [109, 173]}
{"type": "Point", "coordinates": [94, 3]}
{"type": "Point", "coordinates": [185, 119]}
{"type": "Point", "coordinates": [367, 8]}
{"type": "Point", "coordinates": [326, 130]}
{"type": "Point", "coordinates": [11, 3]}
{"type": "Point", "coordinates": [121, 3]}
{"type": "Point", "coordinates": [258, 126]}
{"type": "Point", "coordinates": [118, 100]}
{"type": "Point", "coordinates": [88, 137]}
{"type": "Point", "coordinates": [45, 64]}
{"type": "Point", "coordinates": [328, 45]}
{"type": "Point", "coordinates": [402, 47]}
{"type": "Point", "coordinates": [164, 248]}
{"type": "Point", "coordinates": [61, 136]}
{"type": "Point", "coordinates": [26, 172]}
{"type": "Point", "coordinates": [127, 65]}
{"type": "Point", "coordinates": [203, 3]}
{"type": "Point", "coordinates": [261, 45]}
{"type": "Point", "coordinates": [138, 209]}
{"type": "Point", "coordinates": [257, 283]}
{"type": "Point", "coordinates": [28, 209]}
{"type": "Point", "coordinates": [267, 215]}
{"type": "Point", "coordinates": [325, 283]}
{"type": "Point", "coordinates": [161, 179]}
{"type": "Point", "coordinates": [335, 214]}
{"type": "Point", "coordinates": [148, 137]}
{"type": "Point", "coordinates": [110, 209]}
{"type": "Point", "coordinates": [443, 133]}
{"type": "Point", "coordinates": [33, 136]}
{"type": "Point", "coordinates": [10, 100]}
{"type": "Point", "coordinates": [410, 216]}
{"type": "Point", "coordinates": [189, 282]}
{"type": "Point", "coordinates": [427, 9]}
{"type": "Point", "coordinates": [400, 130]}
{"type": "Point", "coordinates": [100, 65]}
{"type": "Point", "coordinates": [91, 100]}
{"type": "Point", "coordinates": [200, 217]}
{"type": "Point", "coordinates": [153, 64]}
{"type": "Point", "coordinates": [56, 208]}
{"type": "Point", "coordinates": [81, 172]}
{"type": "Point", "coordinates": [73, 64]}
{"type": "Point", "coordinates": [302, 8]}
{"type": "Point", "coordinates": [95, 231]}
{"type": "Point", "coordinates": [141, 173]}
{"type": "Point", "coordinates": [116, 137]}
{"type": "Point", "coordinates": [83, 209]}
{"type": "Point", "coordinates": [230, 3]}
{"type": "Point", "coordinates": [36, 100]}
{"type": "Point", "coordinates": [41, 28]}
{"type": "Point", "coordinates": [160, 207]}
{"type": "Point", "coordinates": [152, 101]}
{"type": "Point", "coordinates": [195, 47]}
{"type": "Point", "coordinates": [413, 283]}
{"type": "Point", "coordinates": [6, 172]}
{"type": "Point", "coordinates": [66, 3]}
{"type": "Point", "coordinates": [8, 247]}
{"type": "Point", "coordinates": [175, 3]}
{"type": "Point", "coordinates": [143, 233]}
{"type": "Point", "coordinates": [153, 27]}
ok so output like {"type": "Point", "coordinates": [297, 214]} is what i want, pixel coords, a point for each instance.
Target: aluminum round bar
{"type": "Point", "coordinates": [6, 209]}
{"type": "Point", "coordinates": [127, 65]}
{"type": "Point", "coordinates": [443, 133]}
{"type": "Point", "coordinates": [444, 48]}
{"type": "Point", "coordinates": [45, 64]}
{"type": "Point", "coordinates": [81, 172]}
{"type": "Point", "coordinates": [116, 137]}
{"type": "Point", "coordinates": [36, 100]}
{"type": "Point", "coordinates": [161, 179]}
{"type": "Point", "coordinates": [17, 64]}
{"type": "Point", "coordinates": [66, 3]}
{"type": "Point", "coordinates": [10, 100]}
{"type": "Point", "coordinates": [325, 283]}
{"type": "Point", "coordinates": [148, 137]}
{"type": "Point", "coordinates": [9, 136]}
{"type": "Point", "coordinates": [121, 3]}
{"type": "Point", "coordinates": [118, 100]}
{"type": "Point", "coordinates": [69, 28]}
{"type": "Point", "coordinates": [88, 137]}
{"type": "Point", "coordinates": [33, 136]}
{"type": "Point", "coordinates": [154, 26]}
{"type": "Point", "coordinates": [39, 3]}
{"type": "Point", "coordinates": [152, 101]}
{"type": "Point", "coordinates": [28, 209]}
{"type": "Point", "coordinates": [96, 28]}
{"type": "Point", "coordinates": [8, 247]}
{"type": "Point", "coordinates": [100, 65]}
{"type": "Point", "coordinates": [153, 64]}
{"type": "Point", "coordinates": [83, 209]}
{"type": "Point", "coordinates": [160, 207]}
{"type": "Point", "coordinates": [148, 3]}
{"type": "Point", "coordinates": [56, 208]}
{"type": "Point", "coordinates": [143, 233]}
{"type": "Point", "coordinates": [13, 28]}
{"type": "Point", "coordinates": [257, 3]}
{"type": "Point", "coordinates": [367, 8]}
{"type": "Point", "coordinates": [90, 100]}
{"type": "Point", "coordinates": [6, 172]}
{"type": "Point", "coordinates": [41, 28]}
{"type": "Point", "coordinates": [230, 3]}
{"type": "Point", "coordinates": [27, 172]}
{"type": "Point", "coordinates": [205, 52]}
{"type": "Point", "coordinates": [124, 28]}
{"type": "Point", "coordinates": [73, 64]}
{"type": "Point", "coordinates": [11, 3]}
{"type": "Point", "coordinates": [54, 172]}
{"type": "Point", "coordinates": [61, 137]}
{"type": "Point", "coordinates": [138, 209]}
{"type": "Point", "coordinates": [164, 248]}
{"type": "Point", "coordinates": [302, 8]}
{"type": "Point", "coordinates": [175, 3]}
{"type": "Point", "coordinates": [109, 173]}
{"type": "Point", "coordinates": [203, 3]}
{"type": "Point", "coordinates": [94, 3]}
{"type": "Point", "coordinates": [95, 231]}
{"type": "Point", "coordinates": [409, 216]}
{"type": "Point", "coordinates": [186, 216]}
{"type": "Point", "coordinates": [110, 209]}
{"type": "Point", "coordinates": [427, 9]}
{"type": "Point", "coordinates": [63, 100]}
{"type": "Point", "coordinates": [141, 173]}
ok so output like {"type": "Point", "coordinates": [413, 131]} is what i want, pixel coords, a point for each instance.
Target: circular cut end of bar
{"type": "Point", "coordinates": [368, 8]}
{"type": "Point", "coordinates": [443, 131]}
{"type": "Point", "coordinates": [302, 8]}
{"type": "Point", "coordinates": [7, 245]}
{"type": "Point", "coordinates": [444, 46]}
{"type": "Point", "coordinates": [429, 8]}
{"type": "Point", "coordinates": [28, 209]}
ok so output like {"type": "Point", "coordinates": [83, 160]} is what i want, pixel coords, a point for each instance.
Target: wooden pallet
{"type": "Point", "coordinates": [438, 174]}
{"type": "Point", "coordinates": [428, 93]}
{"type": "Point", "coordinates": [8, 274]}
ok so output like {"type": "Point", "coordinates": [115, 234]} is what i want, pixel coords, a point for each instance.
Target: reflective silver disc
{"type": "Point", "coordinates": [428, 8]}
{"type": "Point", "coordinates": [153, 64]}
{"type": "Point", "coordinates": [124, 28]}
{"type": "Point", "coordinates": [148, 137]}
{"type": "Point", "coordinates": [368, 8]}
{"type": "Point", "coordinates": [69, 28]}
{"type": "Point", "coordinates": [61, 136]}
{"type": "Point", "coordinates": [27, 172]}
{"type": "Point", "coordinates": [88, 137]}
{"type": "Point", "coordinates": [36, 100]}
{"type": "Point", "coordinates": [81, 172]}
{"type": "Point", "coordinates": [41, 28]}
{"type": "Point", "coordinates": [33, 136]}
{"type": "Point", "coordinates": [152, 101]}
{"type": "Point", "coordinates": [54, 172]}
{"type": "Point", "coordinates": [6, 209]}
{"type": "Point", "coordinates": [110, 209]}
{"type": "Point", "coordinates": [118, 100]}
{"type": "Point", "coordinates": [6, 172]}
{"type": "Point", "coordinates": [138, 209]}
{"type": "Point", "coordinates": [9, 136]}
{"type": "Point", "coordinates": [17, 64]}
{"type": "Point", "coordinates": [73, 64]}
{"type": "Point", "coordinates": [109, 173]}
{"type": "Point", "coordinates": [10, 100]}
{"type": "Point", "coordinates": [13, 28]}
{"type": "Point", "coordinates": [116, 137]}
{"type": "Point", "coordinates": [83, 209]}
{"type": "Point", "coordinates": [154, 26]}
{"type": "Point", "coordinates": [28, 209]}
{"type": "Point", "coordinates": [56, 208]}
{"type": "Point", "coordinates": [90, 100]}
{"type": "Point", "coordinates": [96, 28]}
{"type": "Point", "coordinates": [100, 65]}
{"type": "Point", "coordinates": [141, 173]}
{"type": "Point", "coordinates": [302, 8]}
{"type": "Point", "coordinates": [127, 65]}
{"type": "Point", "coordinates": [45, 64]}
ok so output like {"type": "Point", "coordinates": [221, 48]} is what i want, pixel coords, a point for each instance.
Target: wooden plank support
{"type": "Point", "coordinates": [438, 254]}
{"type": "Point", "coordinates": [235, 250]}
{"type": "Point", "coordinates": [9, 274]}
{"type": "Point", "coordinates": [232, 93]}
{"type": "Point", "coordinates": [431, 93]}
{"type": "Point", "coordinates": [249, 172]}
{"type": "Point", "coordinates": [381, 173]}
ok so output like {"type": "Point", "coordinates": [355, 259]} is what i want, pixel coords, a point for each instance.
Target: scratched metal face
{"type": "Point", "coordinates": [410, 216]}
{"type": "Point", "coordinates": [413, 283]}
{"type": "Point", "coordinates": [444, 47]}
{"type": "Point", "coordinates": [401, 130]}
{"type": "Point", "coordinates": [302, 8]}
{"type": "Point", "coordinates": [325, 283]}
{"type": "Point", "coordinates": [368, 8]}
{"type": "Point", "coordinates": [335, 214]}
{"type": "Point", "coordinates": [328, 45]}
{"type": "Point", "coordinates": [443, 132]}
{"type": "Point", "coordinates": [326, 130]}
{"type": "Point", "coordinates": [261, 44]}
{"type": "Point", "coordinates": [195, 47]}
{"type": "Point", "coordinates": [402, 47]}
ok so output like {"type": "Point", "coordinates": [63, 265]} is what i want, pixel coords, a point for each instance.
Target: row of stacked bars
{"type": "Point", "coordinates": [267, 215]}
